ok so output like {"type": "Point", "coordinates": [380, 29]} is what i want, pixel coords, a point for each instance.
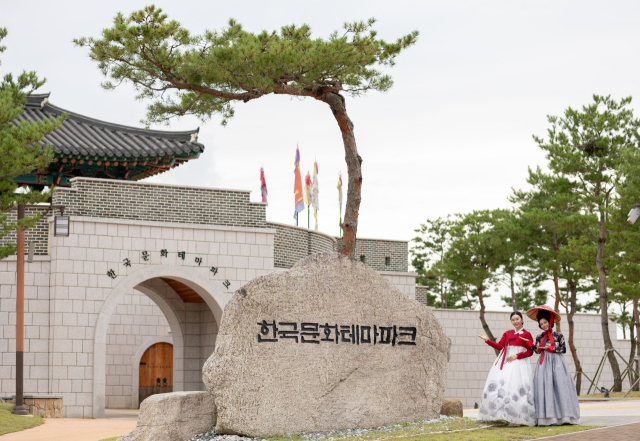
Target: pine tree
{"type": "Point", "coordinates": [587, 147]}
{"type": "Point", "coordinates": [19, 150]}
{"type": "Point", "coordinates": [475, 254]}
{"type": "Point", "coordinates": [204, 74]}
{"type": "Point", "coordinates": [549, 215]}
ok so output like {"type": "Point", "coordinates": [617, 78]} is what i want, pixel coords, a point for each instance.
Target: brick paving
{"type": "Point", "coordinates": [627, 432]}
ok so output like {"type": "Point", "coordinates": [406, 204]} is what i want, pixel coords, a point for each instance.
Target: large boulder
{"type": "Point", "coordinates": [175, 416]}
{"type": "Point", "coordinates": [280, 369]}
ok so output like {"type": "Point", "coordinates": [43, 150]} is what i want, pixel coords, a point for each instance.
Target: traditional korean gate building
{"type": "Point", "coordinates": [143, 266]}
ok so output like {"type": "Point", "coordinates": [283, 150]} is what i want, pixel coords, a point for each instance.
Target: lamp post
{"type": "Point", "coordinates": [19, 408]}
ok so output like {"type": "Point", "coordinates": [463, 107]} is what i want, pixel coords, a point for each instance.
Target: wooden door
{"type": "Point", "coordinates": [156, 371]}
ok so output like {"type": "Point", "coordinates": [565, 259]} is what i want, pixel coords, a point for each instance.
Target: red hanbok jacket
{"type": "Point", "coordinates": [510, 338]}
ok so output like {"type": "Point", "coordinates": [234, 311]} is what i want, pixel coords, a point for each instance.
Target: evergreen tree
{"type": "Point", "coordinates": [549, 214]}
{"type": "Point", "coordinates": [625, 268]}
{"type": "Point", "coordinates": [587, 146]}
{"type": "Point", "coordinates": [202, 75]}
{"type": "Point", "coordinates": [475, 254]}
{"type": "Point", "coordinates": [427, 258]}
{"type": "Point", "coordinates": [19, 150]}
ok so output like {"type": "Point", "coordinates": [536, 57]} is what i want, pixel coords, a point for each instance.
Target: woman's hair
{"type": "Point", "coordinates": [515, 313]}
{"type": "Point", "coordinates": [542, 314]}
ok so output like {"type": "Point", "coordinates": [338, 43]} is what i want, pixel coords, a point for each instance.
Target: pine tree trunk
{"type": "Point", "coordinates": [514, 300]}
{"type": "Point", "coordinates": [574, 353]}
{"type": "Point", "coordinates": [632, 355]}
{"type": "Point", "coordinates": [485, 326]}
{"type": "Point", "coordinates": [354, 162]}
{"type": "Point", "coordinates": [636, 320]}
{"type": "Point", "coordinates": [556, 307]}
{"type": "Point", "coordinates": [604, 315]}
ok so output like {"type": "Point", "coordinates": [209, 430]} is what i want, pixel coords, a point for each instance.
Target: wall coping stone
{"type": "Point", "coordinates": [155, 184]}
{"type": "Point", "coordinates": [475, 311]}
{"type": "Point", "coordinates": [111, 220]}
{"type": "Point", "coordinates": [397, 273]}
{"type": "Point", "coordinates": [40, 258]}
{"type": "Point", "coordinates": [378, 239]}
{"type": "Point", "coordinates": [304, 229]}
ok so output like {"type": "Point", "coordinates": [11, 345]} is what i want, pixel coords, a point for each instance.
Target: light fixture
{"type": "Point", "coordinates": [634, 214]}
{"type": "Point", "coordinates": [61, 226]}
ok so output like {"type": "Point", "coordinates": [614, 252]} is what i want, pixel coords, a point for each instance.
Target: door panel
{"type": "Point", "coordinates": [156, 371]}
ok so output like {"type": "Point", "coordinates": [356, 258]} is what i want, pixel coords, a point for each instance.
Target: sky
{"type": "Point", "coordinates": [453, 135]}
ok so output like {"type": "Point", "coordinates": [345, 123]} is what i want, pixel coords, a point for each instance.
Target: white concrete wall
{"type": "Point", "coordinates": [405, 282]}
{"type": "Point", "coordinates": [471, 358]}
{"type": "Point", "coordinates": [69, 293]}
{"type": "Point", "coordinates": [37, 341]}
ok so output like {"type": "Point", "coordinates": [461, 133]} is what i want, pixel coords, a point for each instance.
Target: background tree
{"type": "Point", "coordinates": [19, 150]}
{"type": "Point", "coordinates": [549, 212]}
{"type": "Point", "coordinates": [427, 258]}
{"type": "Point", "coordinates": [625, 273]}
{"type": "Point", "coordinates": [202, 75]}
{"type": "Point", "coordinates": [586, 146]}
{"type": "Point", "coordinates": [475, 254]}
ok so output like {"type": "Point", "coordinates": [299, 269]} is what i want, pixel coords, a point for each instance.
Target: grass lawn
{"type": "Point", "coordinates": [110, 439]}
{"type": "Point", "coordinates": [451, 429]}
{"type": "Point", "coordinates": [13, 423]}
{"type": "Point", "coordinates": [634, 394]}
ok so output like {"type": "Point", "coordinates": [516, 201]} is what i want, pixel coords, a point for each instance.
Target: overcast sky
{"type": "Point", "coordinates": [452, 135]}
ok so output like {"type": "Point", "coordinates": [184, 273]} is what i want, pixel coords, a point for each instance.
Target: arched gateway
{"type": "Point", "coordinates": [171, 305]}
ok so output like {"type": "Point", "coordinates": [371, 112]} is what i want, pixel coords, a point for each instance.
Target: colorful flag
{"type": "Point", "coordinates": [314, 190]}
{"type": "Point", "coordinates": [340, 200]}
{"type": "Point", "coordinates": [297, 188]}
{"type": "Point", "coordinates": [263, 186]}
{"type": "Point", "coordinates": [307, 184]}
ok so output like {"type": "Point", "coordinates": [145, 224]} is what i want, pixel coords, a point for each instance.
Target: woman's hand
{"type": "Point", "coordinates": [524, 339]}
{"type": "Point", "coordinates": [484, 337]}
{"type": "Point", "coordinates": [514, 357]}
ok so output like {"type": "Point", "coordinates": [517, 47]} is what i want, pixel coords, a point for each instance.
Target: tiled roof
{"type": "Point", "coordinates": [82, 136]}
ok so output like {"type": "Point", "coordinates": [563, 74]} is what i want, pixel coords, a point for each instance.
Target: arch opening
{"type": "Point", "coordinates": [192, 330]}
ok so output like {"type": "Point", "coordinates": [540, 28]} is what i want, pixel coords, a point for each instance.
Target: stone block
{"type": "Point", "coordinates": [452, 407]}
{"type": "Point", "coordinates": [175, 416]}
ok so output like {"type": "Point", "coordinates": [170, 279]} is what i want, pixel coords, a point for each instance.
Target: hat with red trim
{"type": "Point", "coordinates": [533, 313]}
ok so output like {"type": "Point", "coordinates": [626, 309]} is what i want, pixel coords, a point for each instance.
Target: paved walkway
{"type": "Point", "coordinates": [623, 417]}
{"type": "Point", "coordinates": [117, 423]}
{"type": "Point", "coordinates": [627, 432]}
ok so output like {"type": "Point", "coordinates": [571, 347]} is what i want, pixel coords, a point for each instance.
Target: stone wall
{"type": "Point", "coordinates": [38, 234]}
{"type": "Point", "coordinates": [382, 255]}
{"type": "Point", "coordinates": [293, 243]}
{"type": "Point", "coordinates": [108, 198]}
{"type": "Point", "coordinates": [471, 358]}
{"type": "Point", "coordinates": [137, 319]}
{"type": "Point", "coordinates": [38, 359]}
{"type": "Point", "coordinates": [405, 282]}
{"type": "Point", "coordinates": [45, 406]}
{"type": "Point", "coordinates": [421, 294]}
{"type": "Point", "coordinates": [67, 292]}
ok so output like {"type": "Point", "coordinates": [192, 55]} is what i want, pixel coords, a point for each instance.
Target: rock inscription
{"type": "Point", "coordinates": [327, 345]}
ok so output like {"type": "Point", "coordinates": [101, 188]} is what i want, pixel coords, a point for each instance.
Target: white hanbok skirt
{"type": "Point", "coordinates": [508, 393]}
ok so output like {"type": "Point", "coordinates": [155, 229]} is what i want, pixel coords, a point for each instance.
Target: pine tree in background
{"type": "Point", "coordinates": [625, 269]}
{"type": "Point", "coordinates": [475, 254]}
{"type": "Point", "coordinates": [19, 150]}
{"type": "Point", "coordinates": [204, 74]}
{"type": "Point", "coordinates": [587, 147]}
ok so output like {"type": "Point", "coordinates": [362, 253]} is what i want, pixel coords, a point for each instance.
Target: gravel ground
{"type": "Point", "coordinates": [331, 435]}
